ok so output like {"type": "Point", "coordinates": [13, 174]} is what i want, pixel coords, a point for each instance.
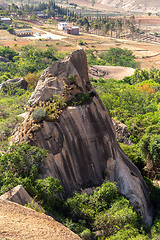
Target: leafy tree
{"type": "Point", "coordinates": [11, 30]}
{"type": "Point", "coordinates": [93, 2]}
{"type": "Point", "coordinates": [22, 164]}
{"type": "Point", "coordinates": [119, 57]}
{"type": "Point", "coordinates": [23, 161]}
{"type": "Point", "coordinates": [8, 52]}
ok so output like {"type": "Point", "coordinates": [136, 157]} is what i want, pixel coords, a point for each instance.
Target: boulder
{"type": "Point", "coordinates": [18, 195]}
{"type": "Point", "coordinates": [15, 82]}
{"type": "Point", "coordinates": [122, 132]}
{"type": "Point", "coordinates": [82, 147]}
{"type": "Point", "coordinates": [3, 59]}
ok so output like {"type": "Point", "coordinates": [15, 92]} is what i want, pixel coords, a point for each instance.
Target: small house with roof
{"type": "Point", "coordinates": [73, 30]}
{"type": "Point", "coordinates": [6, 20]}
{"type": "Point", "coordinates": [24, 33]}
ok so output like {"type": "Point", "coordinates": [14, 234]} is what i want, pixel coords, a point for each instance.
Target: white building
{"type": "Point", "coordinates": [62, 26]}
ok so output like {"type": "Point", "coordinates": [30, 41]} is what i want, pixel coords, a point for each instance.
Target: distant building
{"type": "Point", "coordinates": [6, 20]}
{"type": "Point", "coordinates": [73, 30]}
{"type": "Point", "coordinates": [24, 33]}
{"type": "Point", "coordinates": [62, 26]}
{"type": "Point", "coordinates": [58, 18]}
{"type": "Point", "coordinates": [42, 15]}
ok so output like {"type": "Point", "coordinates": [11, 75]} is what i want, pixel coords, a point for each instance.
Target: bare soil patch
{"type": "Point", "coordinates": [110, 72]}
{"type": "Point", "coordinates": [21, 223]}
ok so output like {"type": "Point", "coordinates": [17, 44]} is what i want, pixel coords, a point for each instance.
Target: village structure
{"type": "Point", "coordinates": [6, 20]}
{"type": "Point", "coordinates": [24, 33]}
{"type": "Point", "coordinates": [74, 30]}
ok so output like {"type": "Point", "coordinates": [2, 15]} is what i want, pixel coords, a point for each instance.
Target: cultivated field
{"type": "Point", "coordinates": [147, 53]}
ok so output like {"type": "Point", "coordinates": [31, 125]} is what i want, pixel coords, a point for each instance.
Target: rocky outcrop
{"type": "Point", "coordinates": [82, 145]}
{"type": "Point", "coordinates": [15, 82]}
{"type": "Point", "coordinates": [3, 59]}
{"type": "Point", "coordinates": [18, 195]}
{"type": "Point", "coordinates": [106, 72]}
{"type": "Point", "coordinates": [97, 73]}
{"type": "Point", "coordinates": [122, 133]}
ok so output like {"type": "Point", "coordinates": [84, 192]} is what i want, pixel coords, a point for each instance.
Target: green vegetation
{"type": "Point", "coordinates": [30, 60]}
{"type": "Point", "coordinates": [20, 24]}
{"type": "Point", "coordinates": [49, 110]}
{"type": "Point", "coordinates": [80, 42]}
{"type": "Point", "coordinates": [119, 57]}
{"type": "Point", "coordinates": [10, 108]}
{"type": "Point", "coordinates": [35, 206]}
{"type": "Point", "coordinates": [135, 101]}
{"type": "Point", "coordinates": [113, 57]}
{"type": "Point", "coordinates": [3, 25]}
{"type": "Point", "coordinates": [22, 164]}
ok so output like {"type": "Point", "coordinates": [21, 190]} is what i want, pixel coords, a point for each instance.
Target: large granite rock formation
{"type": "Point", "coordinates": [83, 150]}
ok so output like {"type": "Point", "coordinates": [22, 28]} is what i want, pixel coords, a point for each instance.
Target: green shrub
{"type": "Point", "coordinates": [38, 114]}
{"type": "Point", "coordinates": [115, 218]}
{"type": "Point", "coordinates": [35, 206]}
{"type": "Point", "coordinates": [128, 233]}
{"type": "Point", "coordinates": [86, 234]}
{"type": "Point", "coordinates": [23, 160]}
{"type": "Point", "coordinates": [103, 196]}
{"type": "Point", "coordinates": [81, 98]}
{"type": "Point", "coordinates": [80, 42]}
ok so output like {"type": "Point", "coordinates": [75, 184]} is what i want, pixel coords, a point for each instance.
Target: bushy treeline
{"type": "Point", "coordinates": [104, 25]}
{"type": "Point", "coordinates": [28, 59]}
{"type": "Point", "coordinates": [50, 8]}
{"type": "Point", "coordinates": [113, 57]}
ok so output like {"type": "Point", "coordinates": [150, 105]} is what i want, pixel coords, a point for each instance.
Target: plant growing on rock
{"type": "Point", "coordinates": [38, 114]}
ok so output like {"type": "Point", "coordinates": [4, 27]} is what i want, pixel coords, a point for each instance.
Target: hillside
{"type": "Point", "coordinates": [127, 5]}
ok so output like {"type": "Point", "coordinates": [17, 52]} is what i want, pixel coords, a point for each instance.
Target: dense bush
{"type": "Point", "coordinates": [119, 57]}
{"type": "Point", "coordinates": [23, 161]}
{"type": "Point", "coordinates": [32, 59]}
{"type": "Point", "coordinates": [22, 164]}
{"type": "Point", "coordinates": [135, 101]}
{"type": "Point", "coordinates": [10, 108]}
{"type": "Point", "coordinates": [101, 214]}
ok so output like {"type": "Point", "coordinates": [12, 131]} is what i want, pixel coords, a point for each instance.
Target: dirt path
{"type": "Point", "coordinates": [21, 223]}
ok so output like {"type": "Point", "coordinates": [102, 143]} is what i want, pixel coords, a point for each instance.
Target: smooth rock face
{"type": "Point", "coordinates": [83, 150]}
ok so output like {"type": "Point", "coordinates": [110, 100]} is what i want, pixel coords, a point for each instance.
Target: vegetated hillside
{"type": "Point", "coordinates": [104, 213]}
